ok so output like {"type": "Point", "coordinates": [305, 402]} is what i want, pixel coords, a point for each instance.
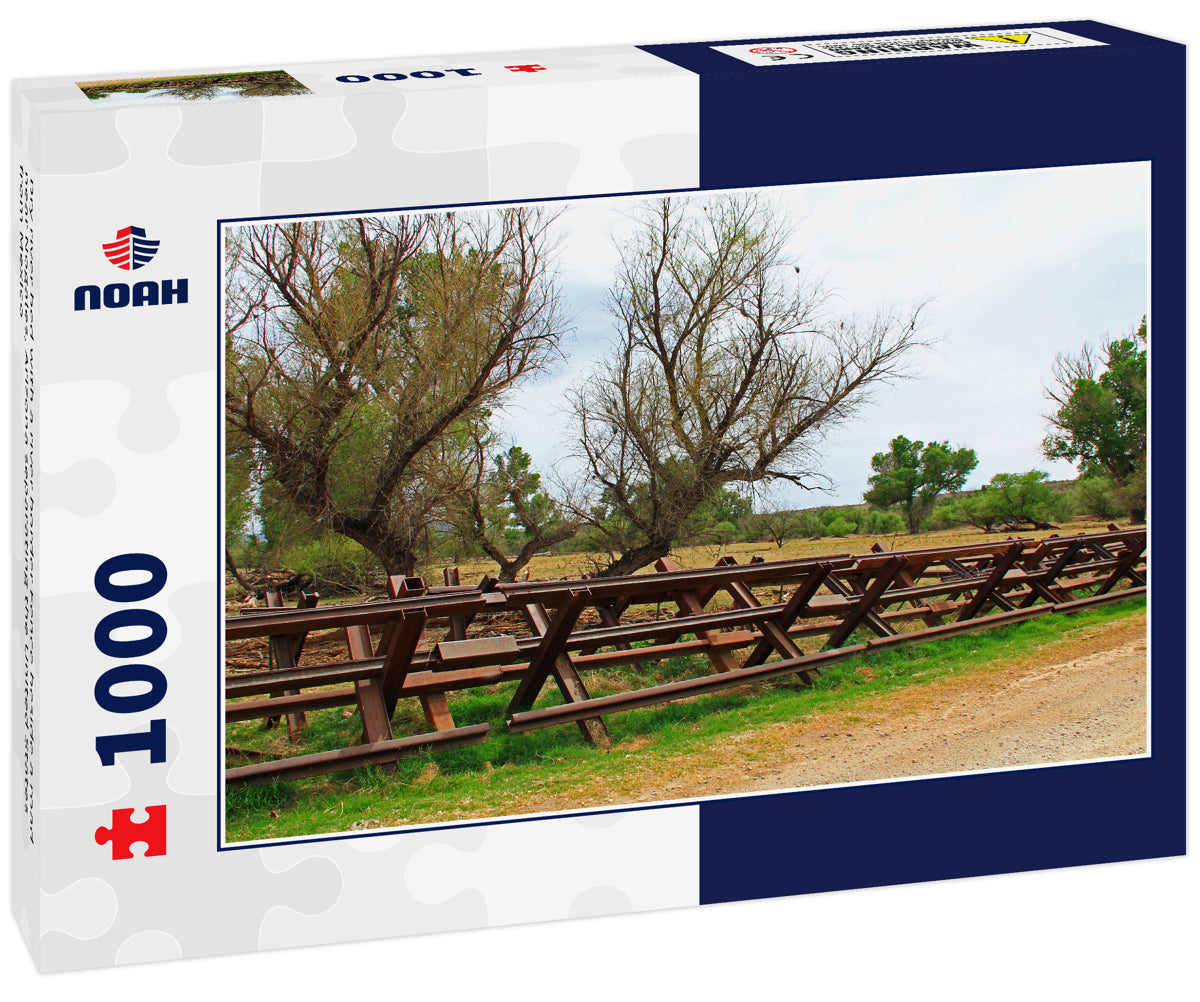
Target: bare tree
{"type": "Point", "coordinates": [726, 368]}
{"type": "Point", "coordinates": [363, 355]}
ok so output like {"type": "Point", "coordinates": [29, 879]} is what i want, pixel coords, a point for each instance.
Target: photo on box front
{"type": "Point", "coordinates": [574, 505]}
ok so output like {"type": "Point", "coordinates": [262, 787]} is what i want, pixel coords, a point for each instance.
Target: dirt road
{"type": "Point", "coordinates": [1077, 699]}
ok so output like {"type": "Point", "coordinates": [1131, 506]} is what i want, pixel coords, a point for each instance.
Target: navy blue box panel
{"type": "Point", "coordinates": [924, 115]}
{"type": "Point", "coordinates": [938, 114]}
{"type": "Point", "coordinates": [701, 57]}
{"type": "Point", "coordinates": [936, 829]}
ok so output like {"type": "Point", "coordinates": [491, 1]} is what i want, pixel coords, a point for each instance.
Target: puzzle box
{"type": "Point", "coordinates": [362, 288]}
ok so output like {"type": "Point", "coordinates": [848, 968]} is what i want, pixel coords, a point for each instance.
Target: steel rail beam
{"type": "Point", "coordinates": [376, 753]}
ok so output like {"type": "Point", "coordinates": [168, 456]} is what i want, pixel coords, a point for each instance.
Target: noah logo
{"type": "Point", "coordinates": [131, 250]}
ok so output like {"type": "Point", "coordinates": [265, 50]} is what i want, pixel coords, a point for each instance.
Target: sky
{"type": "Point", "coordinates": [1019, 265]}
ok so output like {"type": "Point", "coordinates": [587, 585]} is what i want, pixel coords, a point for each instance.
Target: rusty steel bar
{"type": "Point", "coordinates": [274, 622]}
{"type": "Point", "coordinates": [376, 753]}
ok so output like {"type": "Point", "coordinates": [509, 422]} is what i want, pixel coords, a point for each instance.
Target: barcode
{"type": "Point", "coordinates": [888, 48]}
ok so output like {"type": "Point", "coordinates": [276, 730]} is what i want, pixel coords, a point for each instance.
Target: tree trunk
{"type": "Point", "coordinates": [635, 560]}
{"type": "Point", "coordinates": [236, 573]}
{"type": "Point", "coordinates": [397, 557]}
{"type": "Point", "coordinates": [509, 569]}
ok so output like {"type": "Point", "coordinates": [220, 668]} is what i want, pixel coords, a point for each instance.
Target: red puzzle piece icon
{"type": "Point", "coordinates": [124, 832]}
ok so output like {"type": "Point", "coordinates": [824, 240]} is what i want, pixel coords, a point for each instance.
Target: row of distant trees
{"type": "Point", "coordinates": [1098, 422]}
{"type": "Point", "coordinates": [366, 357]}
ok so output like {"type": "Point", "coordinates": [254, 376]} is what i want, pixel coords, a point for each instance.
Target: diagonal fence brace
{"type": "Point", "coordinates": [864, 609]}
{"type": "Point", "coordinates": [1043, 587]}
{"type": "Point", "coordinates": [790, 613]}
{"type": "Point", "coordinates": [994, 580]}
{"type": "Point", "coordinates": [1124, 568]}
{"type": "Point", "coordinates": [692, 603]}
{"type": "Point", "coordinates": [868, 615]}
{"type": "Point", "coordinates": [551, 660]}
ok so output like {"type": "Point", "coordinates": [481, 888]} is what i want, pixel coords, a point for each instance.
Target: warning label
{"type": "Point", "coordinates": [797, 52]}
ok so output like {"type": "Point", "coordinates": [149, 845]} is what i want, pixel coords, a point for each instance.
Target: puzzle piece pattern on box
{"type": "Point", "coordinates": [184, 894]}
{"type": "Point", "coordinates": [599, 120]}
{"type": "Point", "coordinates": [147, 947]}
{"type": "Point", "coordinates": [547, 869]}
{"type": "Point", "coordinates": [300, 131]}
{"type": "Point", "coordinates": [457, 146]}
{"type": "Point", "coordinates": [653, 161]}
{"type": "Point", "coordinates": [136, 446]}
{"type": "Point", "coordinates": [382, 174]}
{"type": "Point", "coordinates": [84, 909]}
{"type": "Point", "coordinates": [509, 167]}
{"type": "Point", "coordinates": [84, 489]}
{"type": "Point", "coordinates": [84, 143]}
{"type": "Point", "coordinates": [451, 121]}
{"type": "Point", "coordinates": [217, 135]}
{"type": "Point", "coordinates": [373, 871]}
{"type": "Point", "coordinates": [498, 874]}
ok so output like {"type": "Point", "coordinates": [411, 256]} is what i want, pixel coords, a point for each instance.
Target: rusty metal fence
{"type": "Point", "coordinates": [791, 617]}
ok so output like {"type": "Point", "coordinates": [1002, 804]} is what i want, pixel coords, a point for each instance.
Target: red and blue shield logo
{"type": "Point", "coordinates": [131, 249]}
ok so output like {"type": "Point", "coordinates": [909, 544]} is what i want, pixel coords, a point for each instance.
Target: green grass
{"type": "Point", "coordinates": [508, 773]}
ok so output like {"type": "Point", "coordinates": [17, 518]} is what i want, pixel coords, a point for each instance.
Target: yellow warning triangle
{"type": "Point", "coordinates": [1015, 39]}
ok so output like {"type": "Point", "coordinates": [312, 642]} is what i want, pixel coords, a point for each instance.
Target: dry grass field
{"type": "Point", "coordinates": [572, 565]}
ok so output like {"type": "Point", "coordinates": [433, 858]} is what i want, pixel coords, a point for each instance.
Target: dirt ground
{"type": "Point", "coordinates": [1077, 699]}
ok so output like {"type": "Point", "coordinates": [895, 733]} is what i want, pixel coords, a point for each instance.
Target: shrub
{"type": "Point", "coordinates": [1062, 506]}
{"type": "Point", "coordinates": [1094, 496]}
{"type": "Point", "coordinates": [885, 523]}
{"type": "Point", "coordinates": [725, 532]}
{"type": "Point", "coordinates": [840, 527]}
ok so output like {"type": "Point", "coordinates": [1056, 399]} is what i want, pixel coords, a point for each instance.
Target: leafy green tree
{"type": "Point", "coordinates": [1100, 420]}
{"type": "Point", "coordinates": [911, 475]}
{"type": "Point", "coordinates": [725, 505]}
{"type": "Point", "coordinates": [1011, 500]}
{"type": "Point", "coordinates": [363, 355]}
{"type": "Point", "coordinates": [978, 509]}
{"type": "Point", "coordinates": [1094, 496]}
{"type": "Point", "coordinates": [239, 490]}
{"type": "Point", "coordinates": [239, 501]}
{"type": "Point", "coordinates": [1022, 498]}
{"type": "Point", "coordinates": [719, 518]}
{"type": "Point", "coordinates": [509, 510]}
